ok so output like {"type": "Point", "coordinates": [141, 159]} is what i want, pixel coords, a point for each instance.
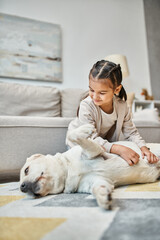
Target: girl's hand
{"type": "Point", "coordinates": [150, 156]}
{"type": "Point", "coordinates": [130, 156]}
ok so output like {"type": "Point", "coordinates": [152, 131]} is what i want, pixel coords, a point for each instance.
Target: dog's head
{"type": "Point", "coordinates": [42, 175]}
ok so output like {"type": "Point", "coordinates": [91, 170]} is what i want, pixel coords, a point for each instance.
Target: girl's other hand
{"type": "Point", "coordinates": [130, 156]}
{"type": "Point", "coordinates": [150, 156]}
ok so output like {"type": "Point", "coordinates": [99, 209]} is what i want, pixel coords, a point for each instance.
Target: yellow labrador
{"type": "Point", "coordinates": [84, 168]}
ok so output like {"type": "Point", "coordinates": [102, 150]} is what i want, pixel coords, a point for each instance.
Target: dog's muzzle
{"type": "Point", "coordinates": [30, 188]}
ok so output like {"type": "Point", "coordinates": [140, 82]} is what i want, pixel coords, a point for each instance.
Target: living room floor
{"type": "Point", "coordinates": [135, 215]}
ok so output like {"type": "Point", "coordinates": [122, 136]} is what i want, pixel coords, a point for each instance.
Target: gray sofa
{"type": "Point", "coordinates": [34, 119]}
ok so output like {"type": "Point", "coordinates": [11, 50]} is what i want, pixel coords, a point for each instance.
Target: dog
{"type": "Point", "coordinates": [85, 168]}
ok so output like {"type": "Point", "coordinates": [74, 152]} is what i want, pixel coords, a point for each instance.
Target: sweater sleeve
{"type": "Point", "coordinates": [130, 131]}
{"type": "Point", "coordinates": [88, 115]}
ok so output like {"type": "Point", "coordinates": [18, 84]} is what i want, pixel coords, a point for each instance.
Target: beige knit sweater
{"type": "Point", "coordinates": [90, 113]}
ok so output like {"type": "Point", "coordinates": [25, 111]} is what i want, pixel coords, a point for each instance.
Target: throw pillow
{"type": "Point", "coordinates": [70, 100]}
{"type": "Point", "coordinates": [147, 115]}
{"type": "Point", "coordinates": [29, 100]}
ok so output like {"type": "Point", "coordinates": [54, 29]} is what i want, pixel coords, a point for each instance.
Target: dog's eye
{"type": "Point", "coordinates": [26, 170]}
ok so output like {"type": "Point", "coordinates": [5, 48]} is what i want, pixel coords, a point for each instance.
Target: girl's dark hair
{"type": "Point", "coordinates": [104, 69]}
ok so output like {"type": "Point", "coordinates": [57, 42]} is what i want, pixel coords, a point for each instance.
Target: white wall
{"type": "Point", "coordinates": [91, 30]}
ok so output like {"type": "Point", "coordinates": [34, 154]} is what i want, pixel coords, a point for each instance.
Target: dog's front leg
{"type": "Point", "coordinates": [90, 148]}
{"type": "Point", "coordinates": [80, 136]}
{"type": "Point", "coordinates": [102, 190]}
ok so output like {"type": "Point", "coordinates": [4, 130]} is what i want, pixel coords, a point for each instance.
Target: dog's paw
{"type": "Point", "coordinates": [104, 198]}
{"type": "Point", "coordinates": [84, 131]}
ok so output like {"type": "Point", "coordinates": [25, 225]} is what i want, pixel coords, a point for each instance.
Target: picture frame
{"type": "Point", "coordinates": [30, 49]}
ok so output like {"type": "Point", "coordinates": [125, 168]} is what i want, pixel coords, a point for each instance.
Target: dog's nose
{"type": "Point", "coordinates": [24, 187]}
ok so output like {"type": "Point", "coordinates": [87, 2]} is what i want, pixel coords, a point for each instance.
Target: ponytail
{"type": "Point", "coordinates": [122, 94]}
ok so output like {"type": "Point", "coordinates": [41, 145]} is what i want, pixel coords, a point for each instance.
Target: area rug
{"type": "Point", "coordinates": [135, 215]}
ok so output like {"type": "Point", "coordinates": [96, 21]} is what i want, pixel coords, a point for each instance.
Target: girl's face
{"type": "Point", "coordinates": [102, 92]}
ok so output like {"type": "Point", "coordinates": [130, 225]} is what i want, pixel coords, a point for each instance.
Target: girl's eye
{"type": "Point", "coordinates": [102, 93]}
{"type": "Point", "coordinates": [26, 170]}
{"type": "Point", "coordinates": [91, 90]}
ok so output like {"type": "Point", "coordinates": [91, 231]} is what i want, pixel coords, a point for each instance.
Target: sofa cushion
{"type": "Point", "coordinates": [29, 100]}
{"type": "Point", "coordinates": [70, 99]}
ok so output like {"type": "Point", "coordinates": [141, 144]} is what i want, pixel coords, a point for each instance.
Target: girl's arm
{"type": "Point", "coordinates": [131, 133]}
{"type": "Point", "coordinates": [129, 155]}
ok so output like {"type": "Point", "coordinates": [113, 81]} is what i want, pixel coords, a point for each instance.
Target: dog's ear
{"type": "Point", "coordinates": [34, 156]}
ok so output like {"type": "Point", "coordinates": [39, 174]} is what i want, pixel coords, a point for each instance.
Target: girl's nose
{"type": "Point", "coordinates": [95, 96]}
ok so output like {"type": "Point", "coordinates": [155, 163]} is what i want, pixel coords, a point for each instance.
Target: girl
{"type": "Point", "coordinates": [107, 110]}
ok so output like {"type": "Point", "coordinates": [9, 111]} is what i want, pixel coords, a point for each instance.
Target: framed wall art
{"type": "Point", "coordinates": [30, 49]}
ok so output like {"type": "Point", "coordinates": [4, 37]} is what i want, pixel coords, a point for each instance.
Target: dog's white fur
{"type": "Point", "coordinates": [85, 168]}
